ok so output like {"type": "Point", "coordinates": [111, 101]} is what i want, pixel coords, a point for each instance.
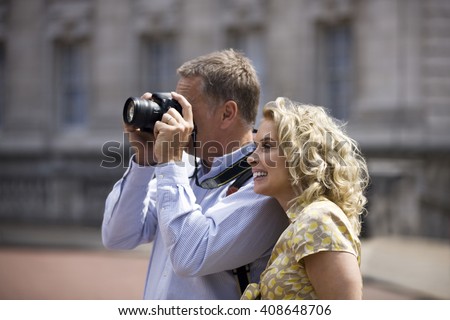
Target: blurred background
{"type": "Point", "coordinates": [67, 67]}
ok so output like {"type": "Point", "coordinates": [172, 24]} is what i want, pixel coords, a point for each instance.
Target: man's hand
{"type": "Point", "coordinates": [173, 132]}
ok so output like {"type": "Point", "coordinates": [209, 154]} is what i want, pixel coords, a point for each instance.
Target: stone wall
{"type": "Point", "coordinates": [399, 110]}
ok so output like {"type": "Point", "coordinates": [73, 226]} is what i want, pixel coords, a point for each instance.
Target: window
{"type": "Point", "coordinates": [335, 68]}
{"type": "Point", "coordinates": [158, 64]}
{"type": "Point", "coordinates": [72, 83]}
{"type": "Point", "coordinates": [251, 42]}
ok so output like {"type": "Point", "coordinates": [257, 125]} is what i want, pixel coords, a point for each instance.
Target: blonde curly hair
{"type": "Point", "coordinates": [322, 160]}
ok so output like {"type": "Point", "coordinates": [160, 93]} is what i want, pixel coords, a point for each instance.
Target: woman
{"type": "Point", "coordinates": [315, 171]}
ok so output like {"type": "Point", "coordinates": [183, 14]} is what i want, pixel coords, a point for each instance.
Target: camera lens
{"type": "Point", "coordinates": [141, 113]}
{"type": "Point", "coordinates": [130, 112]}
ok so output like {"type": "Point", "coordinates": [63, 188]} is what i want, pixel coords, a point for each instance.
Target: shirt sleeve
{"type": "Point", "coordinates": [234, 231]}
{"type": "Point", "coordinates": [323, 229]}
{"type": "Point", "coordinates": [129, 218]}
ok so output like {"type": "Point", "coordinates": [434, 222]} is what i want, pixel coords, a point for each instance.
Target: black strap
{"type": "Point", "coordinates": [230, 173]}
{"type": "Point", "coordinates": [242, 273]}
{"type": "Point", "coordinates": [243, 177]}
{"type": "Point", "coordinates": [241, 171]}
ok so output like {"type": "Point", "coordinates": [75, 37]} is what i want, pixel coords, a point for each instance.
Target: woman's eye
{"type": "Point", "coordinates": [265, 146]}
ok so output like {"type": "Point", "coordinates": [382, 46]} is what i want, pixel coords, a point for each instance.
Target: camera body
{"type": "Point", "coordinates": [143, 114]}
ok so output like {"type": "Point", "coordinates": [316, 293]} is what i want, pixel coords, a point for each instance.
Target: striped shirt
{"type": "Point", "coordinates": [198, 234]}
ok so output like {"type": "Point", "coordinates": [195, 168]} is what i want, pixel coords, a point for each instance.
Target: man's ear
{"type": "Point", "coordinates": [229, 113]}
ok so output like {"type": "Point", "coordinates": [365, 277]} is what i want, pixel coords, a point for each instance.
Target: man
{"type": "Point", "coordinates": [200, 232]}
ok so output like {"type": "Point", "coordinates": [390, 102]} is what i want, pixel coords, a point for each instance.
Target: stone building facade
{"type": "Point", "coordinates": [67, 66]}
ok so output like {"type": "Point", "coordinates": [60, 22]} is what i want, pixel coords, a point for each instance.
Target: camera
{"type": "Point", "coordinates": [143, 114]}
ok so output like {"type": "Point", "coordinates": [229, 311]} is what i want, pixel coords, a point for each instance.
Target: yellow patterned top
{"type": "Point", "coordinates": [321, 226]}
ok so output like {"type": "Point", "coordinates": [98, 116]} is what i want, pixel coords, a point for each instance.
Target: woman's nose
{"type": "Point", "coordinates": [252, 159]}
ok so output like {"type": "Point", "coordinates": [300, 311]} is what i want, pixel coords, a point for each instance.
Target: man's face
{"type": "Point", "coordinates": [205, 119]}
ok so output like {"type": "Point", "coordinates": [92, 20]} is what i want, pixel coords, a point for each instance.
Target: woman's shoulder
{"type": "Point", "coordinates": [322, 206]}
{"type": "Point", "coordinates": [325, 226]}
{"type": "Point", "coordinates": [322, 212]}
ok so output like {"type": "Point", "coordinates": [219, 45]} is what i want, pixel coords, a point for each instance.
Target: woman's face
{"type": "Point", "coordinates": [270, 173]}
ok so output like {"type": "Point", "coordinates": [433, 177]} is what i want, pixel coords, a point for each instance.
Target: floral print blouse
{"type": "Point", "coordinates": [320, 226]}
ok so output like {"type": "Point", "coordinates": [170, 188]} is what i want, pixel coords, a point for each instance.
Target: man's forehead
{"type": "Point", "coordinates": [189, 89]}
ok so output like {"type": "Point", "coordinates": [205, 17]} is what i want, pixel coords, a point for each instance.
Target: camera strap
{"type": "Point", "coordinates": [242, 274]}
{"type": "Point", "coordinates": [241, 172]}
{"type": "Point", "coordinates": [230, 173]}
